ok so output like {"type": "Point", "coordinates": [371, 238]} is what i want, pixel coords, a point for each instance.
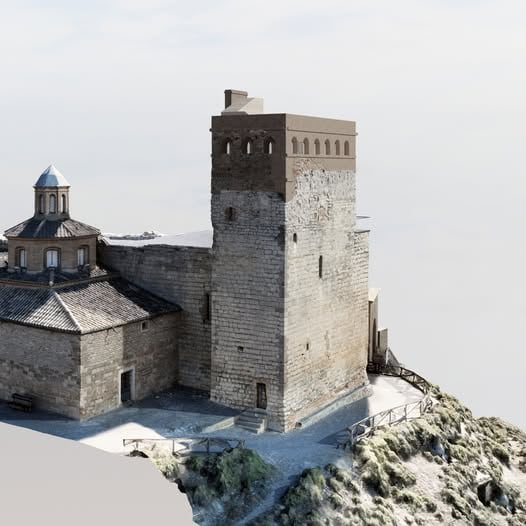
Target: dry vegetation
{"type": "Point", "coordinates": [221, 487]}
{"type": "Point", "coordinates": [427, 471]}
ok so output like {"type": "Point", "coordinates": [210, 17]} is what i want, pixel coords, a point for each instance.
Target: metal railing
{"type": "Point", "coordinates": [417, 381]}
{"type": "Point", "coordinates": [389, 417]}
{"type": "Point", "coordinates": [186, 444]}
{"type": "Point", "coordinates": [395, 415]}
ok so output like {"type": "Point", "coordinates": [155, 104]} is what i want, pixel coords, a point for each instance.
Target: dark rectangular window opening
{"type": "Point", "coordinates": [230, 213]}
{"type": "Point", "coordinates": [144, 326]}
{"type": "Point", "coordinates": [208, 307]}
{"type": "Point", "coordinates": [126, 386]}
{"type": "Point", "coordinates": [320, 267]}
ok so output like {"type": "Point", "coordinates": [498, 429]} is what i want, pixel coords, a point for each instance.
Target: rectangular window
{"type": "Point", "coordinates": [21, 258]}
{"type": "Point", "coordinates": [320, 267]}
{"type": "Point", "coordinates": [52, 259]}
{"type": "Point", "coordinates": [208, 307]}
{"type": "Point", "coordinates": [82, 256]}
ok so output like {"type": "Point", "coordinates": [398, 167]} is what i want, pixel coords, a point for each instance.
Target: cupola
{"type": "Point", "coordinates": [51, 195]}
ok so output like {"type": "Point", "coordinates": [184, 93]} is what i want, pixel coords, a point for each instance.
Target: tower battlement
{"type": "Point", "coordinates": [267, 151]}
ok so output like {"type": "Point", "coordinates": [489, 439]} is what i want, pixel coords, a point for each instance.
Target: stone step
{"type": "Point", "coordinates": [251, 418]}
{"type": "Point", "coordinates": [250, 426]}
{"type": "Point", "coordinates": [249, 422]}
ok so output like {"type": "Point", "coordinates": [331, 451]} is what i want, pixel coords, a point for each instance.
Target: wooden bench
{"type": "Point", "coordinates": [21, 402]}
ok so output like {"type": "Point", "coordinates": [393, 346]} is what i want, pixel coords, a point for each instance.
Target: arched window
{"type": "Point", "coordinates": [305, 146]}
{"type": "Point", "coordinates": [52, 258]}
{"type": "Point", "coordinates": [83, 256]}
{"type": "Point", "coordinates": [346, 148]}
{"type": "Point", "coordinates": [327, 147]}
{"type": "Point", "coordinates": [64, 204]}
{"type": "Point", "coordinates": [41, 207]}
{"type": "Point", "coordinates": [21, 258]}
{"type": "Point", "coordinates": [248, 146]}
{"type": "Point", "coordinates": [294, 145]}
{"type": "Point", "coordinates": [227, 147]}
{"type": "Point", "coordinates": [52, 204]}
{"type": "Point", "coordinates": [269, 145]}
{"type": "Point", "coordinates": [317, 147]}
{"type": "Point", "coordinates": [337, 147]}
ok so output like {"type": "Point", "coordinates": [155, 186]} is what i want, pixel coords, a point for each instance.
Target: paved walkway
{"type": "Point", "coordinates": [183, 414]}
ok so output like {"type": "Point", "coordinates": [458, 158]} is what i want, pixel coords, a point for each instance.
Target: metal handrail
{"type": "Point", "coordinates": [208, 441]}
{"type": "Point", "coordinates": [395, 415]}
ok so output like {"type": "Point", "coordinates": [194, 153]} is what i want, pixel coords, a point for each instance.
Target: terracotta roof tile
{"type": "Point", "coordinates": [81, 308]}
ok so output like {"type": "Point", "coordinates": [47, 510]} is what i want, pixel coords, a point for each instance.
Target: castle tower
{"type": "Point", "coordinates": [51, 239]}
{"type": "Point", "coordinates": [290, 268]}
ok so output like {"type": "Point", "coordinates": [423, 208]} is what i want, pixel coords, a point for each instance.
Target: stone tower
{"type": "Point", "coordinates": [290, 268]}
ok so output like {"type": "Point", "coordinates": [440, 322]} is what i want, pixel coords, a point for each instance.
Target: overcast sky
{"type": "Point", "coordinates": [118, 95]}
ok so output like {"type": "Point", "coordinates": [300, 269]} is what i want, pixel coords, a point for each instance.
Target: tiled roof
{"type": "Point", "coordinates": [51, 177]}
{"type": "Point", "coordinates": [81, 308]}
{"type": "Point", "coordinates": [43, 278]}
{"type": "Point", "coordinates": [46, 229]}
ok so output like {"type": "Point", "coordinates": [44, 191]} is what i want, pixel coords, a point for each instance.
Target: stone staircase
{"type": "Point", "coordinates": [254, 420]}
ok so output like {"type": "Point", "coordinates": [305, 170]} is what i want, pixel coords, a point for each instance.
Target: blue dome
{"type": "Point", "coordinates": [51, 177]}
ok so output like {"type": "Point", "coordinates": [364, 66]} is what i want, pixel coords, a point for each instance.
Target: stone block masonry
{"type": "Point", "coordinates": [148, 351]}
{"type": "Point", "coordinates": [42, 364]}
{"type": "Point", "coordinates": [181, 275]}
{"type": "Point", "coordinates": [247, 300]}
{"type": "Point", "coordinates": [326, 293]}
{"type": "Point", "coordinates": [290, 296]}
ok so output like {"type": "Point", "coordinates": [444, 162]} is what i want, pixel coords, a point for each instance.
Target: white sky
{"type": "Point", "coordinates": [119, 93]}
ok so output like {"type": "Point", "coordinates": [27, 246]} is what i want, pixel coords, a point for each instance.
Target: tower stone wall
{"type": "Point", "coordinates": [247, 300]}
{"type": "Point", "coordinates": [289, 267]}
{"type": "Point", "coordinates": [325, 293]}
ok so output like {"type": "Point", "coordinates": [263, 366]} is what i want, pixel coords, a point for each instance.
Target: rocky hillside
{"type": "Point", "coordinates": [446, 467]}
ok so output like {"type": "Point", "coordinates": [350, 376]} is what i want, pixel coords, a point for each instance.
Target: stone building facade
{"type": "Point", "coordinates": [76, 338]}
{"type": "Point", "coordinates": [272, 313]}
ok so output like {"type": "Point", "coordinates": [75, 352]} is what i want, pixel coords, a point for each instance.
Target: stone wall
{"type": "Point", "coordinates": [247, 299]}
{"type": "Point", "coordinates": [149, 351]}
{"type": "Point", "coordinates": [326, 299]}
{"type": "Point", "coordinates": [180, 275]}
{"type": "Point", "coordinates": [43, 364]}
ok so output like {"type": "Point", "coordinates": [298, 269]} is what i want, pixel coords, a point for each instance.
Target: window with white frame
{"type": "Point", "coordinates": [21, 257]}
{"type": "Point", "coordinates": [82, 256]}
{"type": "Point", "coordinates": [52, 256]}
